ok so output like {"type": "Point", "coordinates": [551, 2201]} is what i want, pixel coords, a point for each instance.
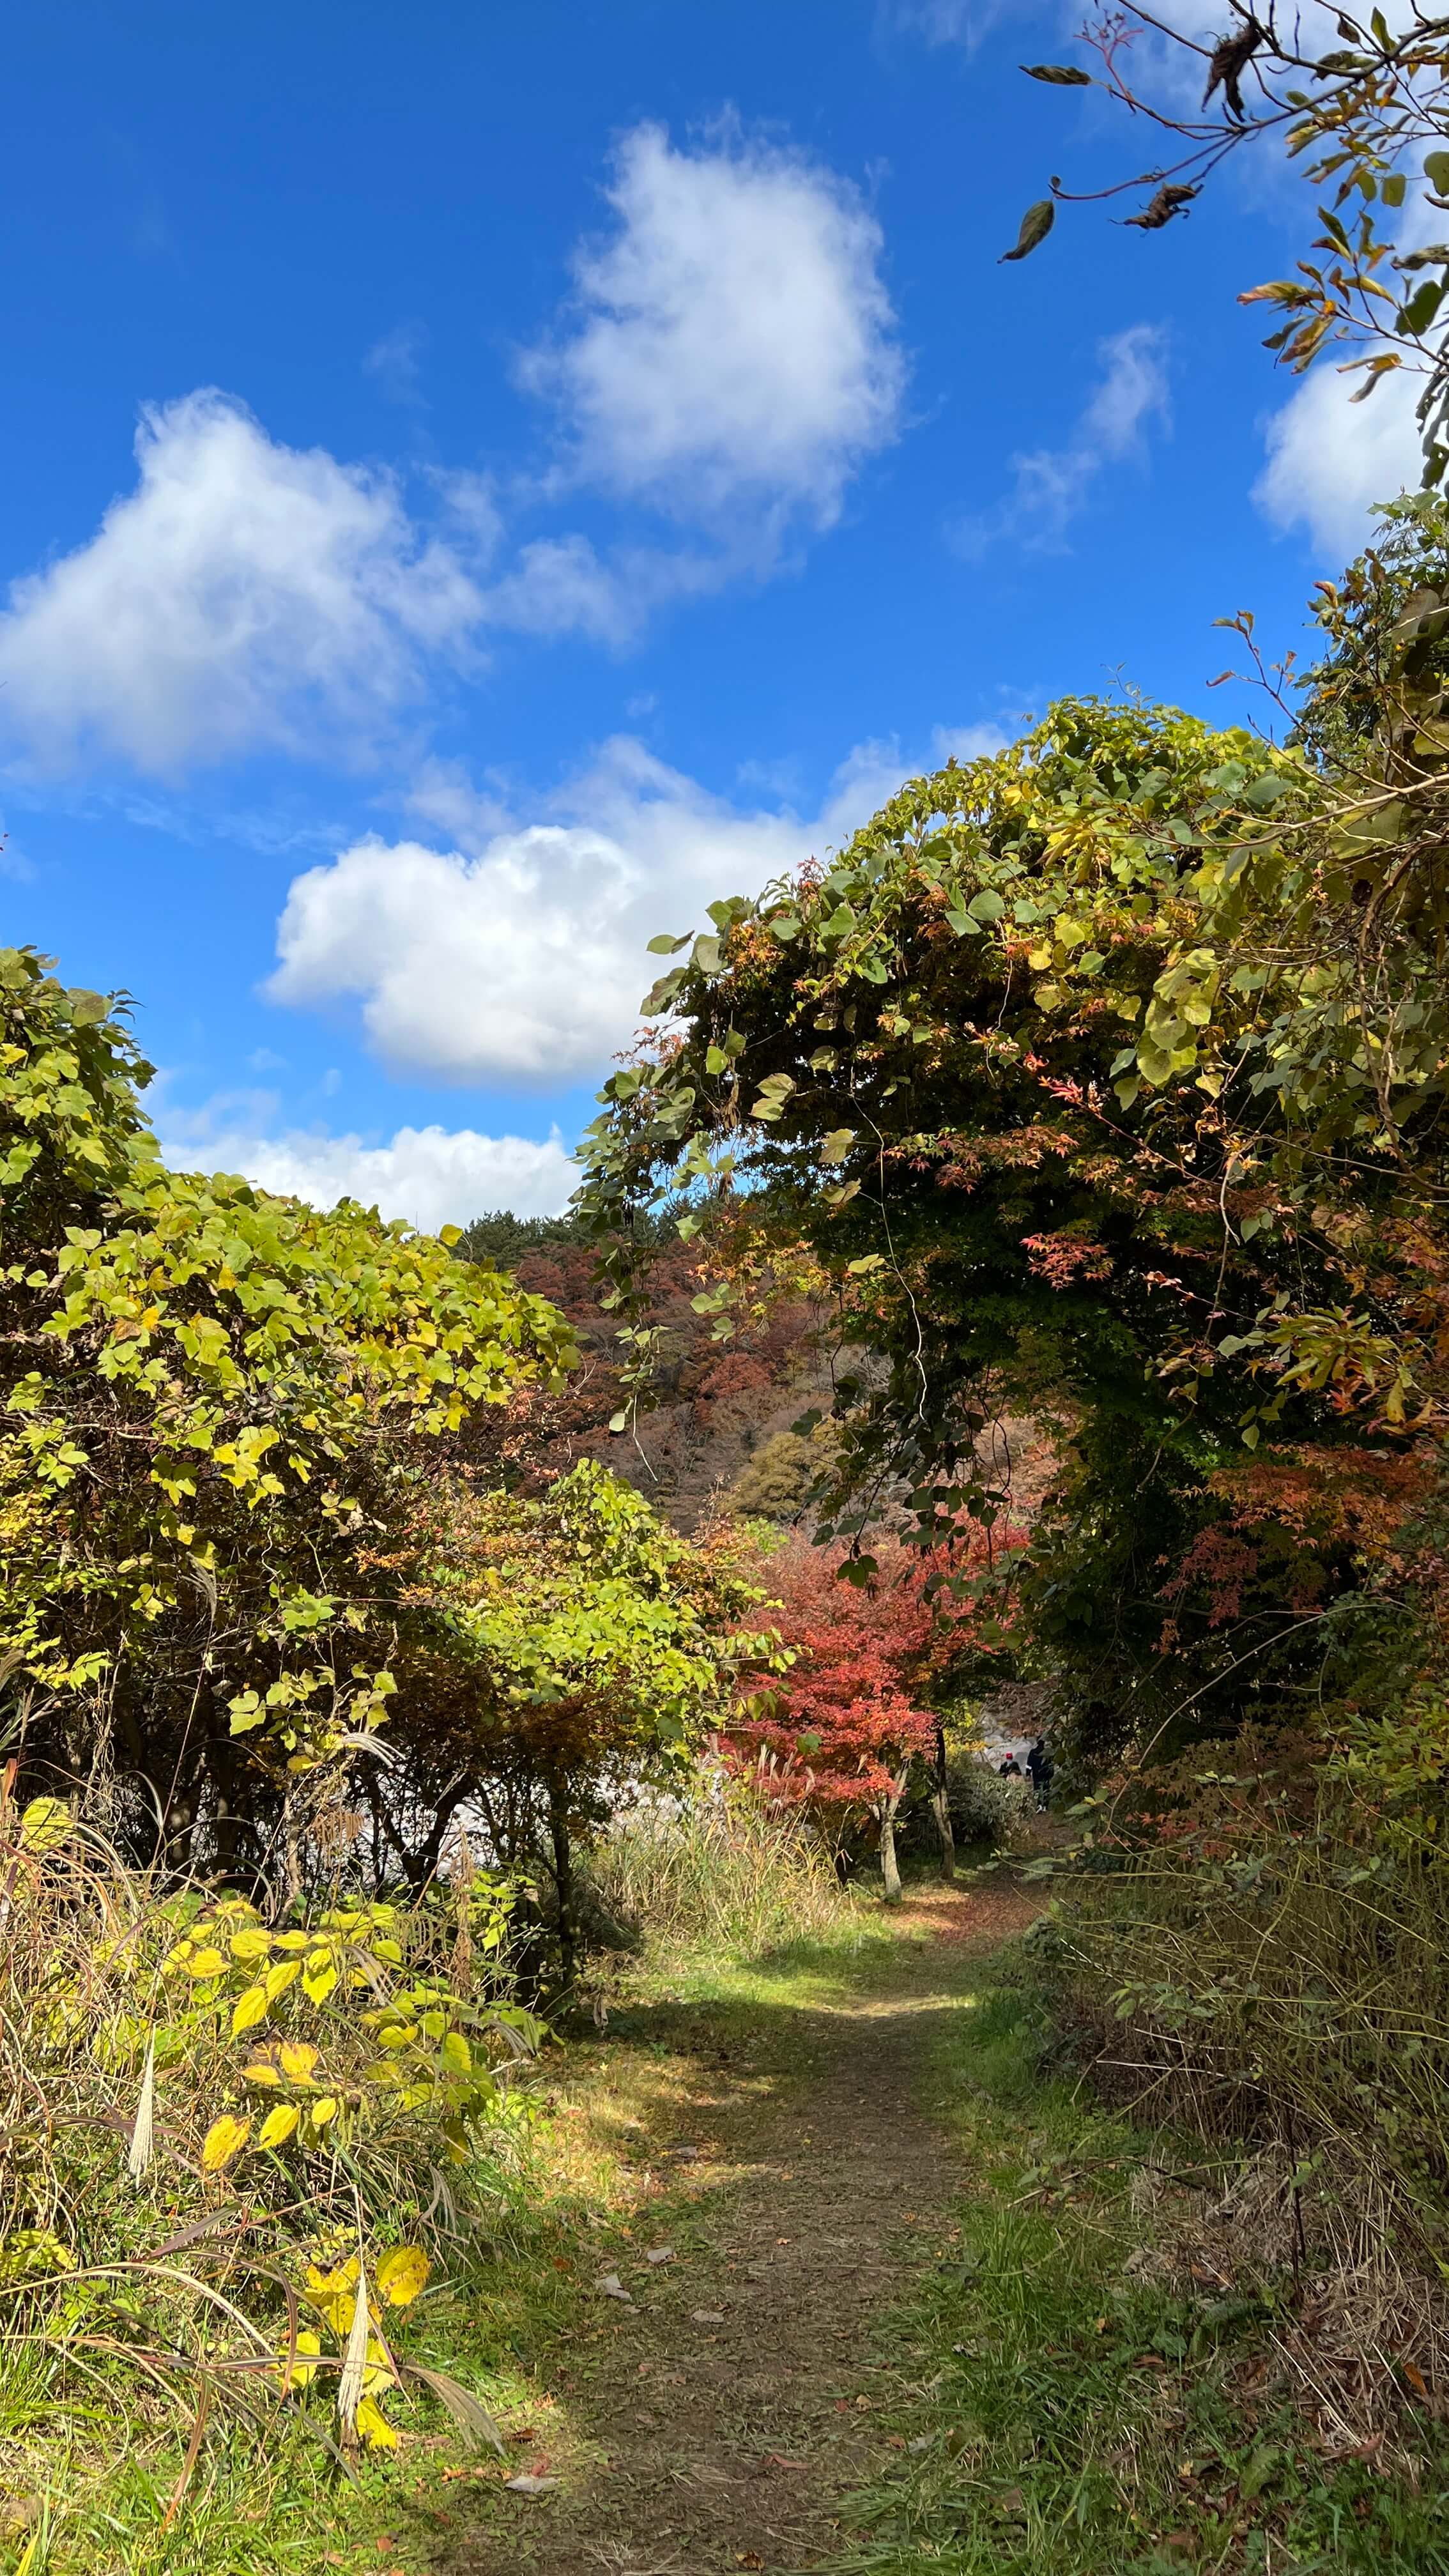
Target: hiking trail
{"type": "Point", "coordinates": [716, 2416]}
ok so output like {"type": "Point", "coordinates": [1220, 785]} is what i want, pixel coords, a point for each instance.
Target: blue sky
{"type": "Point", "coordinates": [481, 482]}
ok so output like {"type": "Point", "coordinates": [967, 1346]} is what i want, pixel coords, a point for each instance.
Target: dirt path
{"type": "Point", "coordinates": [717, 2420]}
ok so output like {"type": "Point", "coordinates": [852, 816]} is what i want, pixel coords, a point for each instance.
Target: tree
{"type": "Point", "coordinates": [1104, 1080]}
{"type": "Point", "coordinates": [213, 1400]}
{"type": "Point", "coordinates": [1351, 102]}
{"type": "Point", "coordinates": [873, 1665]}
{"type": "Point", "coordinates": [579, 1645]}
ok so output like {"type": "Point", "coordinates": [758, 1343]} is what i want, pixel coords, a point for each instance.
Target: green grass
{"type": "Point", "coordinates": [1071, 2422]}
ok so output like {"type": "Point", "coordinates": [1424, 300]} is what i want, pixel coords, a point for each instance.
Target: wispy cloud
{"type": "Point", "coordinates": [730, 354]}
{"type": "Point", "coordinates": [1052, 485]}
{"type": "Point", "coordinates": [396, 363]}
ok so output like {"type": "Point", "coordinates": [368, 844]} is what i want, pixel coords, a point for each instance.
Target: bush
{"type": "Point", "coordinates": [718, 1868]}
{"type": "Point", "coordinates": [1266, 1950]}
{"type": "Point", "coordinates": [985, 1808]}
{"type": "Point", "coordinates": [220, 2128]}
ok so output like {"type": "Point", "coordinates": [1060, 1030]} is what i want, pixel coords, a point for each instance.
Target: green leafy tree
{"type": "Point", "coordinates": [581, 1648]}
{"type": "Point", "coordinates": [213, 1399]}
{"type": "Point", "coordinates": [1103, 1080]}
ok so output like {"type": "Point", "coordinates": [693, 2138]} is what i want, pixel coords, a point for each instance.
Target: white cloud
{"type": "Point", "coordinates": [433, 1176]}
{"type": "Point", "coordinates": [731, 356]}
{"type": "Point", "coordinates": [1330, 459]}
{"type": "Point", "coordinates": [1054, 484]}
{"type": "Point", "coordinates": [525, 954]}
{"type": "Point", "coordinates": [246, 594]}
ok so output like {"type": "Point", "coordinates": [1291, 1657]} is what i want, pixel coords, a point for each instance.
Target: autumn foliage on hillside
{"type": "Point", "coordinates": [714, 1402]}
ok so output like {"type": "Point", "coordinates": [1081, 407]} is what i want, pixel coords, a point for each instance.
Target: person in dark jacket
{"type": "Point", "coordinates": [1040, 1767]}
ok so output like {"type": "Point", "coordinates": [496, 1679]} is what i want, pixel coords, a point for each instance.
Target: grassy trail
{"type": "Point", "coordinates": [768, 2129]}
{"type": "Point", "coordinates": [910, 2314]}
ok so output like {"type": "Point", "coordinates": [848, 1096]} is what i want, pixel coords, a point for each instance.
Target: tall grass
{"type": "Point", "coordinates": [1265, 1954]}
{"type": "Point", "coordinates": [232, 2149]}
{"type": "Point", "coordinates": [718, 1869]}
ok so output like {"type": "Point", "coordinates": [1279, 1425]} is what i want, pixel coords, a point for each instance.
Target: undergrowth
{"type": "Point", "coordinates": [1096, 2406]}
{"type": "Point", "coordinates": [241, 2159]}
{"type": "Point", "coordinates": [718, 1870]}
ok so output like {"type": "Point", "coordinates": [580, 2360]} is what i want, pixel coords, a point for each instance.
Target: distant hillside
{"type": "Point", "coordinates": [723, 1422]}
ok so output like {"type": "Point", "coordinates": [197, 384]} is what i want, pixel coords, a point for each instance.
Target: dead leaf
{"type": "Point", "coordinates": [611, 2287]}
{"type": "Point", "coordinates": [529, 2486]}
{"type": "Point", "coordinates": [748, 2558]}
{"type": "Point", "coordinates": [660, 2254]}
{"type": "Point", "coordinates": [706, 2316]}
{"type": "Point", "coordinates": [1415, 2378]}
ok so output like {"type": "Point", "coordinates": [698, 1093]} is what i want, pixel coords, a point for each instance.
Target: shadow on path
{"type": "Point", "coordinates": [716, 2420]}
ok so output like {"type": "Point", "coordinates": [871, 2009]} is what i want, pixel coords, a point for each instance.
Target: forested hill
{"type": "Point", "coordinates": [721, 1424]}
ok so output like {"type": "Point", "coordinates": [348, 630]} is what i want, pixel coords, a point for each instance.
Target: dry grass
{"type": "Point", "coordinates": [719, 1870]}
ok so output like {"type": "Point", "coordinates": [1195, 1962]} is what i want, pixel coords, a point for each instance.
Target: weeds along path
{"type": "Point", "coordinates": [715, 2417]}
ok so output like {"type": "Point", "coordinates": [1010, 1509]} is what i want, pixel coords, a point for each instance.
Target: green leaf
{"type": "Point", "coordinates": [1061, 75]}
{"type": "Point", "coordinates": [665, 946]}
{"type": "Point", "coordinates": [1416, 316]}
{"type": "Point", "coordinates": [1436, 171]}
{"type": "Point", "coordinates": [837, 1144]}
{"type": "Point", "coordinates": [1036, 223]}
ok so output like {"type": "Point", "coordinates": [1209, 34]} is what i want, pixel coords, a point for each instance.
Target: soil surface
{"type": "Point", "coordinates": [720, 2417]}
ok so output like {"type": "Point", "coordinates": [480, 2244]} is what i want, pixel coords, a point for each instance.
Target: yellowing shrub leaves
{"type": "Point", "coordinates": [402, 2274]}
{"type": "Point", "coordinates": [224, 2139]}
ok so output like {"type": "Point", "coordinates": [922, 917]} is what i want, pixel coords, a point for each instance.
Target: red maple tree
{"type": "Point", "coordinates": [840, 1731]}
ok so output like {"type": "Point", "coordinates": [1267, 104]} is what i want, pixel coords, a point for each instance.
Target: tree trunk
{"type": "Point", "coordinates": [941, 1810]}
{"type": "Point", "coordinates": [889, 1870]}
{"type": "Point", "coordinates": [563, 1876]}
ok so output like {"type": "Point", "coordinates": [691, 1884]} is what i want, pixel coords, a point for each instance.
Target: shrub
{"type": "Point", "coordinates": [1267, 1949]}
{"type": "Point", "coordinates": [226, 2132]}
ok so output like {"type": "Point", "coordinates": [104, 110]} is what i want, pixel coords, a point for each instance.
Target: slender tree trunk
{"type": "Point", "coordinates": [889, 1869]}
{"type": "Point", "coordinates": [563, 1876]}
{"type": "Point", "coordinates": [941, 1810]}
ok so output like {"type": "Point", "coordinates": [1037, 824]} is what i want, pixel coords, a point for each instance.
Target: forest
{"type": "Point", "coordinates": [463, 1693]}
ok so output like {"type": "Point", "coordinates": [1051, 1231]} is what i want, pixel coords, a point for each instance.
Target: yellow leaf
{"type": "Point", "coordinates": [373, 2427]}
{"type": "Point", "coordinates": [252, 1944]}
{"type": "Point", "coordinates": [401, 2275]}
{"type": "Point", "coordinates": [278, 2125]}
{"type": "Point", "coordinates": [323, 2109]}
{"type": "Point", "coordinates": [279, 1978]}
{"type": "Point", "coordinates": [304, 2370]}
{"type": "Point", "coordinates": [205, 1963]}
{"type": "Point", "coordinates": [457, 2052]}
{"type": "Point", "coordinates": [250, 2009]}
{"type": "Point", "coordinates": [262, 2070]}
{"type": "Point", "coordinates": [44, 1825]}
{"type": "Point", "coordinates": [319, 1980]}
{"type": "Point", "coordinates": [224, 2139]}
{"type": "Point", "coordinates": [298, 2060]}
